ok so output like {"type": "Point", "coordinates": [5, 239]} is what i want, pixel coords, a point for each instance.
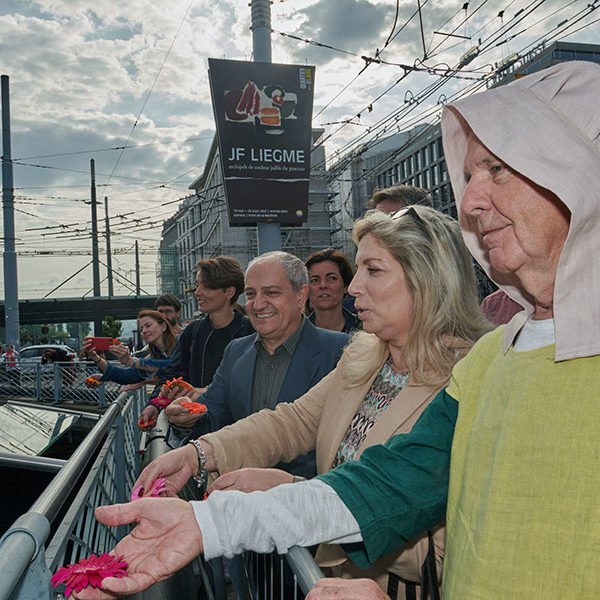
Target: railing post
{"type": "Point", "coordinates": [119, 458]}
{"type": "Point", "coordinates": [24, 544]}
{"type": "Point", "coordinates": [38, 382]}
{"type": "Point", "coordinates": [56, 381]}
{"type": "Point", "coordinates": [304, 566]}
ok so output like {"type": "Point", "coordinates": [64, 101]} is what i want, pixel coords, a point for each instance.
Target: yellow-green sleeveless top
{"type": "Point", "coordinates": [523, 515]}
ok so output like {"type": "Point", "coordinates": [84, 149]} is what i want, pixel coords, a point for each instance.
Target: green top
{"type": "Point", "coordinates": [523, 516]}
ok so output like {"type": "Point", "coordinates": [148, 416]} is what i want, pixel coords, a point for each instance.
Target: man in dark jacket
{"type": "Point", "coordinates": [285, 358]}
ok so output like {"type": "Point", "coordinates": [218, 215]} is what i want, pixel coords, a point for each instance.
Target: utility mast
{"type": "Point", "coordinates": [11, 292]}
{"type": "Point", "coordinates": [268, 234]}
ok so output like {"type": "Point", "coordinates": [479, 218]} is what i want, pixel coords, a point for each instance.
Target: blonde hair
{"type": "Point", "coordinates": [439, 271]}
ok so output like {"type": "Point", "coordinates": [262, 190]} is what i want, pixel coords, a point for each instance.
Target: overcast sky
{"type": "Point", "coordinates": [83, 73]}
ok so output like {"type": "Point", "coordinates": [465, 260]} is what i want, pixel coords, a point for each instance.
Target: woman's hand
{"type": "Point", "coordinates": [335, 588]}
{"type": "Point", "coordinates": [89, 384]}
{"type": "Point", "coordinates": [181, 416]}
{"type": "Point", "coordinates": [150, 413]}
{"type": "Point", "coordinates": [250, 480]}
{"type": "Point", "coordinates": [176, 466]}
{"type": "Point", "coordinates": [100, 361]}
{"type": "Point", "coordinates": [122, 353]}
{"type": "Point", "coordinates": [130, 387]}
{"type": "Point", "coordinates": [165, 539]}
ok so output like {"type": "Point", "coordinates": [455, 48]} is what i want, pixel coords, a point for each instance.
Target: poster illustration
{"type": "Point", "coordinates": [263, 113]}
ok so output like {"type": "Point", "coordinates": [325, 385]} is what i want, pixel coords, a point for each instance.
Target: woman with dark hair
{"type": "Point", "coordinates": [219, 283]}
{"type": "Point", "coordinates": [329, 275]}
{"type": "Point", "coordinates": [160, 338]}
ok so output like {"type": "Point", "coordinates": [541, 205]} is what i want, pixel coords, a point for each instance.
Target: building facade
{"type": "Point", "coordinates": [417, 157]}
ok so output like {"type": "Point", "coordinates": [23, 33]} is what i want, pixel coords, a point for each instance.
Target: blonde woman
{"type": "Point", "coordinates": [416, 295]}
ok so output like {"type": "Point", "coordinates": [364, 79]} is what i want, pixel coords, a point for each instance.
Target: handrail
{"type": "Point", "coordinates": [53, 497]}
{"type": "Point", "coordinates": [305, 568]}
{"type": "Point", "coordinates": [31, 463]}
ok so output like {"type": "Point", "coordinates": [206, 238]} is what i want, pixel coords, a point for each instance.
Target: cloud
{"type": "Point", "coordinates": [365, 27]}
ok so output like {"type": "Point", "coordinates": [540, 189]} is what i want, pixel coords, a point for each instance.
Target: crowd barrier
{"type": "Point", "coordinates": [27, 558]}
{"type": "Point", "coordinates": [29, 553]}
{"type": "Point", "coordinates": [56, 383]}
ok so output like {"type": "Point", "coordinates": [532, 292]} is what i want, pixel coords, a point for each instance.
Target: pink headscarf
{"type": "Point", "coordinates": [546, 126]}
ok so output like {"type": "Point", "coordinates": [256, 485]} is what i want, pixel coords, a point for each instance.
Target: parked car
{"type": "Point", "coordinates": [32, 355]}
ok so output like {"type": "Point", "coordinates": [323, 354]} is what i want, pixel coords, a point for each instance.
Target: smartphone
{"type": "Point", "coordinates": [101, 343]}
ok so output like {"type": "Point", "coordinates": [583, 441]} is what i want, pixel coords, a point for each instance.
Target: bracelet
{"type": "Point", "coordinates": [202, 475]}
{"type": "Point", "coordinates": [298, 478]}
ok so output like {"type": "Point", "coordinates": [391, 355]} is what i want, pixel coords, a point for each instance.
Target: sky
{"type": "Point", "coordinates": [125, 83]}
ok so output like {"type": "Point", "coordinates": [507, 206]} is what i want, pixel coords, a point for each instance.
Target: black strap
{"type": "Point", "coordinates": [429, 579]}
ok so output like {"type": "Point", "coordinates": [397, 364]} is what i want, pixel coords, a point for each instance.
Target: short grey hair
{"type": "Point", "coordinates": [295, 270]}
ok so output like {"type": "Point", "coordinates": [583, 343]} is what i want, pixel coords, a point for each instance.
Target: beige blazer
{"type": "Point", "coordinates": [318, 420]}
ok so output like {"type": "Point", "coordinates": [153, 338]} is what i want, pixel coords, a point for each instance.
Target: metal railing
{"type": "Point", "coordinates": [27, 558]}
{"type": "Point", "coordinates": [56, 383]}
{"type": "Point", "coordinates": [25, 563]}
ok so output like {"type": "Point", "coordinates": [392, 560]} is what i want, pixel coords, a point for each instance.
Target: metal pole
{"type": "Point", "coordinates": [268, 234]}
{"type": "Point", "coordinates": [137, 269]}
{"type": "Point", "coordinates": [108, 252]}
{"type": "Point", "coordinates": [95, 256]}
{"type": "Point", "coordinates": [11, 291]}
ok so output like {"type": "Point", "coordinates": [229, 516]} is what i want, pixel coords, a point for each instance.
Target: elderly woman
{"type": "Point", "coordinates": [508, 452]}
{"type": "Point", "coordinates": [329, 275]}
{"type": "Point", "coordinates": [416, 294]}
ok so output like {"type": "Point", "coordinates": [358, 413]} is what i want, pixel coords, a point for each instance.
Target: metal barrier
{"type": "Point", "coordinates": [57, 382]}
{"type": "Point", "coordinates": [24, 563]}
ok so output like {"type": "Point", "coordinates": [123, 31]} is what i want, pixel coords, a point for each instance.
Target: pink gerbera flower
{"type": "Point", "coordinates": [89, 571]}
{"type": "Point", "coordinates": [158, 486]}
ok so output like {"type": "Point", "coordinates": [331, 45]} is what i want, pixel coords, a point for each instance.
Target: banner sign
{"type": "Point", "coordinates": [263, 113]}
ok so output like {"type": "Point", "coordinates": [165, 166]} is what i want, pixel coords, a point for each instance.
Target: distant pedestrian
{"type": "Point", "coordinates": [11, 363]}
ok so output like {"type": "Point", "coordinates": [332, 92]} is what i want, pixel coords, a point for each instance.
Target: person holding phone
{"type": "Point", "coordinates": [161, 339]}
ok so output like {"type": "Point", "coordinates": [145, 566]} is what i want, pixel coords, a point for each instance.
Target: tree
{"type": "Point", "coordinates": [111, 327]}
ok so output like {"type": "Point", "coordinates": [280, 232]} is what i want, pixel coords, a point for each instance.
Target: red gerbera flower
{"type": "Point", "coordinates": [146, 426]}
{"type": "Point", "coordinates": [158, 486]}
{"type": "Point", "coordinates": [89, 571]}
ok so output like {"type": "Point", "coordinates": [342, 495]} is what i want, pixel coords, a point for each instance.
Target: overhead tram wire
{"type": "Point", "coordinates": [464, 92]}
{"type": "Point", "coordinates": [475, 33]}
{"type": "Point", "coordinates": [113, 149]}
{"type": "Point", "coordinates": [372, 126]}
{"type": "Point", "coordinates": [368, 61]}
{"type": "Point", "coordinates": [150, 90]}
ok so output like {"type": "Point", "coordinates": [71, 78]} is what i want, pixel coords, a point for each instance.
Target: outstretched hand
{"type": "Point", "coordinates": [251, 479]}
{"type": "Point", "coordinates": [179, 415]}
{"type": "Point", "coordinates": [165, 539]}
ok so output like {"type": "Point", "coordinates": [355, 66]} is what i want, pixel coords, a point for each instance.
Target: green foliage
{"type": "Point", "coordinates": [111, 327]}
{"type": "Point", "coordinates": [42, 334]}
